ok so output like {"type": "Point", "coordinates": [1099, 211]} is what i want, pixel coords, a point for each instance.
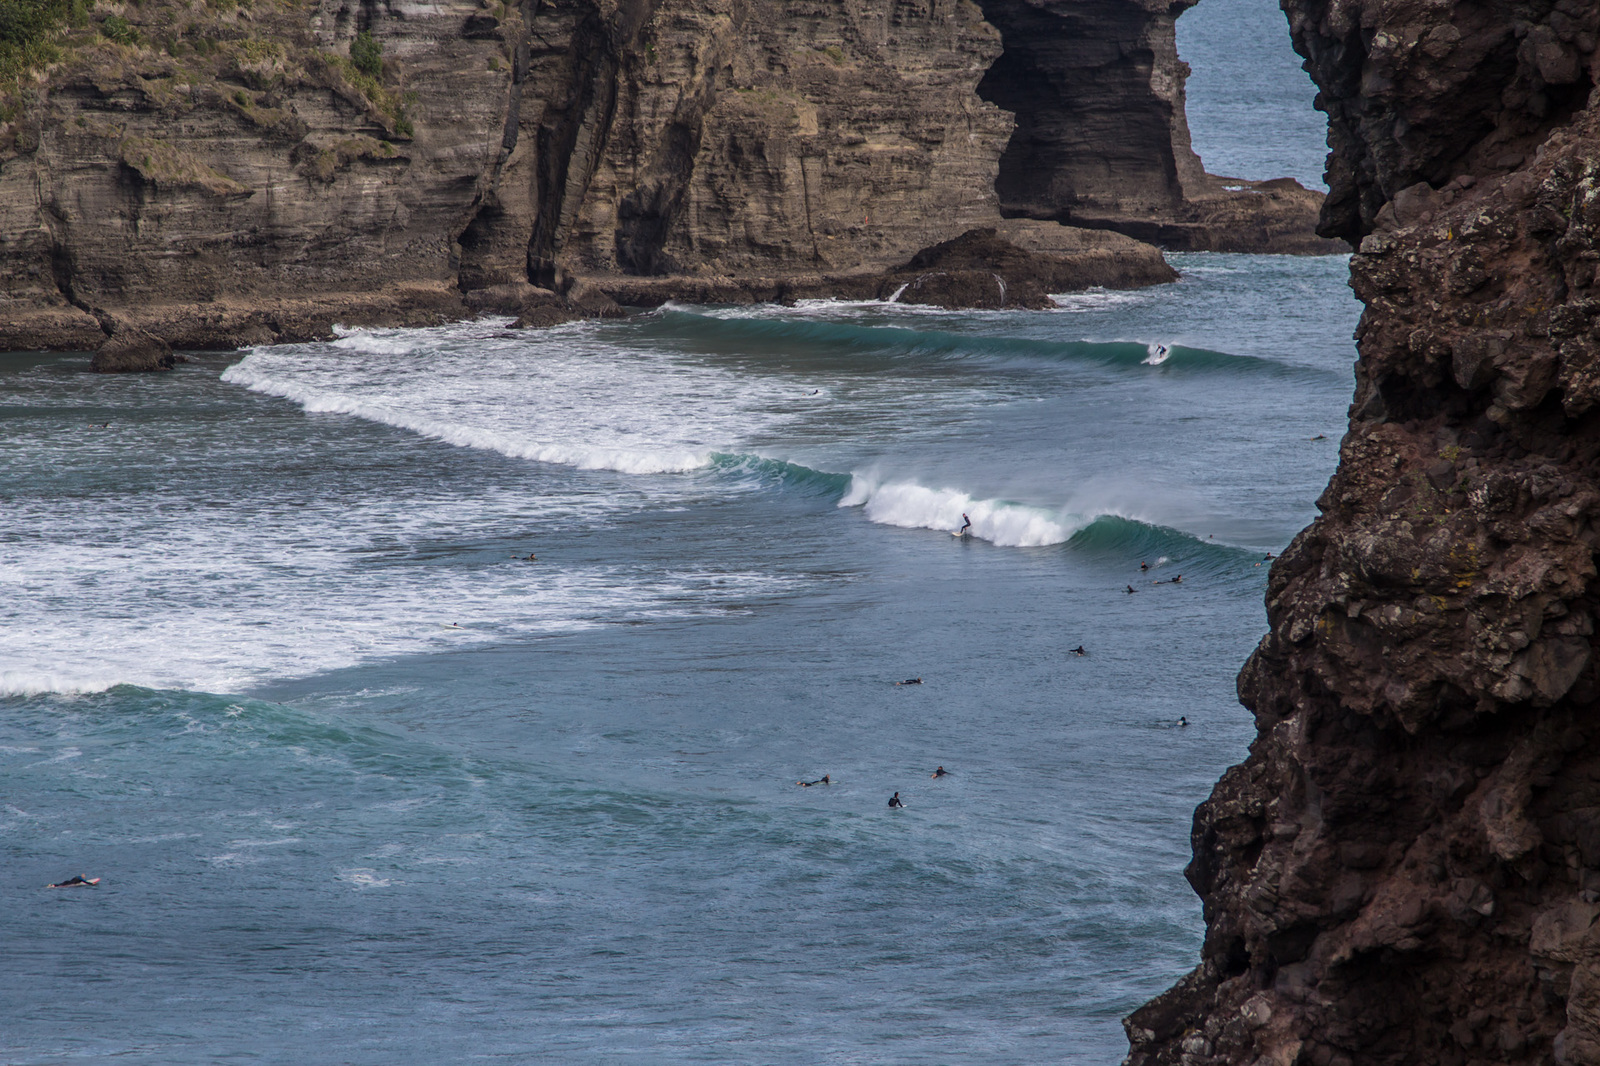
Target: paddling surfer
{"type": "Point", "coordinates": [823, 780]}
{"type": "Point", "coordinates": [75, 881]}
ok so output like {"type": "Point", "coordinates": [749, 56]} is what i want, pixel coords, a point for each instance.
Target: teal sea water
{"type": "Point", "coordinates": [363, 787]}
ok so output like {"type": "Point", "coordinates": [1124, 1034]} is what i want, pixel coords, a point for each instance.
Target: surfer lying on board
{"type": "Point", "coordinates": [74, 882]}
{"type": "Point", "coordinates": [940, 772]}
{"type": "Point", "coordinates": [823, 780]}
{"type": "Point", "coordinates": [910, 681]}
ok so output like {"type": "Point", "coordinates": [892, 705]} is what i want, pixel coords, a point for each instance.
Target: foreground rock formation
{"type": "Point", "coordinates": [1406, 869]}
{"type": "Point", "coordinates": [227, 174]}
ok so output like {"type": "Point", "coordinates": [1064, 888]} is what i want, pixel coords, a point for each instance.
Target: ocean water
{"type": "Point", "coordinates": [364, 787]}
{"type": "Point", "coordinates": [1249, 101]}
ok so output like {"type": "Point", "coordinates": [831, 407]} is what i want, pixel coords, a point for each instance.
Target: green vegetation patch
{"type": "Point", "coordinates": [391, 105]}
{"type": "Point", "coordinates": [118, 29]}
{"type": "Point", "coordinates": [366, 55]}
{"type": "Point", "coordinates": [324, 162]}
{"type": "Point", "coordinates": [164, 164]}
{"type": "Point", "coordinates": [28, 30]}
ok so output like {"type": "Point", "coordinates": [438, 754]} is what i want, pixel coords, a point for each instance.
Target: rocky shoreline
{"type": "Point", "coordinates": [245, 174]}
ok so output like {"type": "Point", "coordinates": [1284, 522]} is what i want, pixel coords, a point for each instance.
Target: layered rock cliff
{"type": "Point", "coordinates": [1102, 139]}
{"type": "Point", "coordinates": [1406, 869]}
{"type": "Point", "coordinates": [231, 172]}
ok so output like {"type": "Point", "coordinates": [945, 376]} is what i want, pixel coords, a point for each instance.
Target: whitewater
{"type": "Point", "coordinates": [440, 694]}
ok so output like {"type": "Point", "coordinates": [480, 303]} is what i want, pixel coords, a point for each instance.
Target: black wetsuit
{"type": "Point", "coordinates": [823, 780]}
{"type": "Point", "coordinates": [940, 772]}
{"type": "Point", "coordinates": [894, 800]}
{"type": "Point", "coordinates": [72, 881]}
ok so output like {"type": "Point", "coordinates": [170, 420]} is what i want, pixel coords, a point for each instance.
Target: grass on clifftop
{"type": "Point", "coordinates": [28, 29]}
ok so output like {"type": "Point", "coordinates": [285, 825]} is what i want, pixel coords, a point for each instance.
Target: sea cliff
{"type": "Point", "coordinates": [224, 173]}
{"type": "Point", "coordinates": [1406, 869]}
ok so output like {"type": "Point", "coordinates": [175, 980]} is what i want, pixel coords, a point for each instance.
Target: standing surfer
{"type": "Point", "coordinates": [966, 524]}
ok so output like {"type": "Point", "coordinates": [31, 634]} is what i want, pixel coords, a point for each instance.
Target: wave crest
{"type": "Point", "coordinates": [1001, 522]}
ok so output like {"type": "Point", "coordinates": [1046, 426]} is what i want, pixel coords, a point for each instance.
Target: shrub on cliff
{"type": "Point", "coordinates": [116, 28]}
{"type": "Point", "coordinates": [367, 55]}
{"type": "Point", "coordinates": [27, 28]}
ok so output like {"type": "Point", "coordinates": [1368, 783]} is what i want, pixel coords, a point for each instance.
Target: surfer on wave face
{"type": "Point", "coordinates": [966, 524]}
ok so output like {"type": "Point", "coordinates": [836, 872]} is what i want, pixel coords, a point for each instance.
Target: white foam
{"type": "Point", "coordinates": [914, 506]}
{"type": "Point", "coordinates": [566, 399]}
{"type": "Point", "coordinates": [1095, 299]}
{"type": "Point", "coordinates": [1159, 353]}
{"type": "Point", "coordinates": [149, 591]}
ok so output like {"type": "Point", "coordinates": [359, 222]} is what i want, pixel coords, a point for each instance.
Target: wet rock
{"type": "Point", "coordinates": [131, 350]}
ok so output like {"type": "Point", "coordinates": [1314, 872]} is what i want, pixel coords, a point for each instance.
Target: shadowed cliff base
{"type": "Point", "coordinates": [1406, 869]}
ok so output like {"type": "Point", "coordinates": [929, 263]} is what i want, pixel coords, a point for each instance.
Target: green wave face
{"type": "Point", "coordinates": [899, 342]}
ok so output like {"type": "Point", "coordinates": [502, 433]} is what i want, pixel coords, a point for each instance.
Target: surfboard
{"type": "Point", "coordinates": [959, 533]}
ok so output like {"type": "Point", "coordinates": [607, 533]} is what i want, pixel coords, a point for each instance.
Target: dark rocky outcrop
{"type": "Point", "coordinates": [1406, 869]}
{"type": "Point", "coordinates": [131, 349]}
{"type": "Point", "coordinates": [982, 269]}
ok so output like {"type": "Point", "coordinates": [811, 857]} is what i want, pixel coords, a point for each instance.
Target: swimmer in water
{"type": "Point", "coordinates": [1080, 650]}
{"type": "Point", "coordinates": [74, 882]}
{"type": "Point", "coordinates": [966, 524]}
{"type": "Point", "coordinates": [910, 681]}
{"type": "Point", "coordinates": [823, 780]}
{"type": "Point", "coordinates": [940, 772]}
{"type": "Point", "coordinates": [894, 800]}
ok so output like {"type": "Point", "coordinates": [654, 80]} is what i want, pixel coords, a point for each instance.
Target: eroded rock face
{"type": "Point", "coordinates": [1097, 88]}
{"type": "Point", "coordinates": [234, 177]}
{"type": "Point", "coordinates": [1407, 867]}
{"type": "Point", "coordinates": [1102, 139]}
